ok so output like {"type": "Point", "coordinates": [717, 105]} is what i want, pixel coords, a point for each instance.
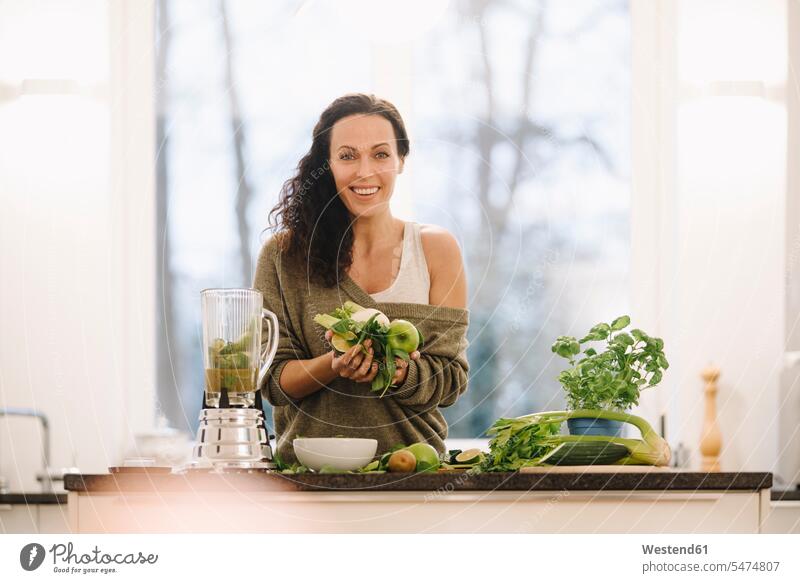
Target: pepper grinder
{"type": "Point", "coordinates": [711, 441]}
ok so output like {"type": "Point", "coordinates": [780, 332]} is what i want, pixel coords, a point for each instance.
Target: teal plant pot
{"type": "Point", "coordinates": [593, 426]}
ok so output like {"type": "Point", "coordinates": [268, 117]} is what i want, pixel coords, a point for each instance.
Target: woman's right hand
{"type": "Point", "coordinates": [354, 364]}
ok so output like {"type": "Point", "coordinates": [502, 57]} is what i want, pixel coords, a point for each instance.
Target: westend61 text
{"type": "Point", "coordinates": [671, 550]}
{"type": "Point", "coordinates": [65, 554]}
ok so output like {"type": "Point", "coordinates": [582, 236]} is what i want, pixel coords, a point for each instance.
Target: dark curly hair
{"type": "Point", "coordinates": [311, 220]}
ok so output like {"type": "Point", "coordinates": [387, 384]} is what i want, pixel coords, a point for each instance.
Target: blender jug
{"type": "Point", "coordinates": [234, 358]}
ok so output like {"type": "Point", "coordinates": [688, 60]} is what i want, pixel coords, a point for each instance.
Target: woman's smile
{"type": "Point", "coordinates": [365, 191]}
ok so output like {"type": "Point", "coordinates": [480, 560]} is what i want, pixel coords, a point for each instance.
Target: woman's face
{"type": "Point", "coordinates": [364, 162]}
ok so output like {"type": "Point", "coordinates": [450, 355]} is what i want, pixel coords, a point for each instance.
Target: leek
{"type": "Point", "coordinates": [528, 440]}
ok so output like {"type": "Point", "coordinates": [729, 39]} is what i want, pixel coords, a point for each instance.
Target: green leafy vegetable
{"type": "Point", "coordinates": [340, 322]}
{"type": "Point", "coordinates": [614, 377]}
{"type": "Point", "coordinates": [284, 468]}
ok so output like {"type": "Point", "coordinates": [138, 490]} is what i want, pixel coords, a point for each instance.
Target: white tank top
{"type": "Point", "coordinates": [413, 283]}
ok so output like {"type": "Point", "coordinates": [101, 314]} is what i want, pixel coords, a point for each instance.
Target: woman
{"type": "Point", "coordinates": [337, 240]}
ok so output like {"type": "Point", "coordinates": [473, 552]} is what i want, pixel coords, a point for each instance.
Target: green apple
{"type": "Point", "coordinates": [403, 335]}
{"type": "Point", "coordinates": [426, 455]}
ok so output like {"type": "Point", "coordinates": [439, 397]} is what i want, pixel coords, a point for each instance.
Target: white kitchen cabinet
{"type": "Point", "coordinates": [53, 519]}
{"type": "Point", "coordinates": [783, 518]}
{"type": "Point", "coordinates": [34, 519]}
{"type": "Point", "coordinates": [421, 512]}
{"type": "Point", "coordinates": [18, 518]}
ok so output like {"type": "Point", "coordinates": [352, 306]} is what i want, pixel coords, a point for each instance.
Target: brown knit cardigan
{"type": "Point", "coordinates": [408, 414]}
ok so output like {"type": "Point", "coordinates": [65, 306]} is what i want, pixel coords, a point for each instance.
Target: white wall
{"type": "Point", "coordinates": [709, 208]}
{"type": "Point", "coordinates": [789, 401]}
{"type": "Point", "coordinates": [76, 231]}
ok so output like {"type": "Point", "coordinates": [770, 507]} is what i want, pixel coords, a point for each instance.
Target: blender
{"type": "Point", "coordinates": [240, 339]}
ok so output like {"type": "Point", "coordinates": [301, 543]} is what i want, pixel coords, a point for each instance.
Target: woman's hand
{"type": "Point", "coordinates": [354, 364]}
{"type": "Point", "coordinates": [361, 368]}
{"type": "Point", "coordinates": [402, 368]}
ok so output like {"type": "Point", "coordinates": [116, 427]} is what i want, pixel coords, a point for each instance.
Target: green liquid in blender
{"type": "Point", "coordinates": [230, 370]}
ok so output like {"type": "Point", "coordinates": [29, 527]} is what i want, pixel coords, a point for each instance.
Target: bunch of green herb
{"type": "Point", "coordinates": [383, 354]}
{"type": "Point", "coordinates": [613, 377]}
{"type": "Point", "coordinates": [516, 443]}
{"type": "Point", "coordinates": [340, 321]}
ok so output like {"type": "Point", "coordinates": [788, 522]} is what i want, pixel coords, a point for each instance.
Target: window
{"type": "Point", "coordinates": [522, 149]}
{"type": "Point", "coordinates": [234, 118]}
{"type": "Point", "coordinates": [519, 120]}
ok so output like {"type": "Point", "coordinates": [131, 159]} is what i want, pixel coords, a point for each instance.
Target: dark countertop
{"type": "Point", "coordinates": [785, 495]}
{"type": "Point", "coordinates": [33, 498]}
{"type": "Point", "coordinates": [260, 480]}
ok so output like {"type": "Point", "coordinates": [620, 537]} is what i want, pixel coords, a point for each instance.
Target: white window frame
{"type": "Point", "coordinates": [133, 171]}
{"type": "Point", "coordinates": [653, 160]}
{"type": "Point", "coordinates": [133, 155]}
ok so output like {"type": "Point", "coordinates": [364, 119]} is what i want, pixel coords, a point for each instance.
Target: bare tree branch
{"type": "Point", "coordinates": [522, 132]}
{"type": "Point", "coordinates": [486, 130]}
{"type": "Point", "coordinates": [589, 23]}
{"type": "Point", "coordinates": [493, 256]}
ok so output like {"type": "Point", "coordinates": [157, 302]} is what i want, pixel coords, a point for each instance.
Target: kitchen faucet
{"type": "Point", "coordinates": [23, 412]}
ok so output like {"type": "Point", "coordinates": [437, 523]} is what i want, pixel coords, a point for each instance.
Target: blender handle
{"type": "Point", "coordinates": [272, 332]}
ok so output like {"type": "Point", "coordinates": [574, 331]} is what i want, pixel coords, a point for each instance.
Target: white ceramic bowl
{"type": "Point", "coordinates": [341, 453]}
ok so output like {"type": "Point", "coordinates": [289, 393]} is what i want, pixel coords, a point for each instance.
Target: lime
{"type": "Point", "coordinates": [341, 343]}
{"type": "Point", "coordinates": [470, 456]}
{"type": "Point", "coordinates": [372, 466]}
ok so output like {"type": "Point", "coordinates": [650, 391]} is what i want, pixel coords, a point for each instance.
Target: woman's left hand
{"type": "Point", "coordinates": [402, 368]}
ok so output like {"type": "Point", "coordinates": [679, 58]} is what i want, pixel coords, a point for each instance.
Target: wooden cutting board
{"type": "Point", "coordinates": [593, 469]}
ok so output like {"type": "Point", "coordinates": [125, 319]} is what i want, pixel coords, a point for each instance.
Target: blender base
{"type": "Point", "coordinates": [223, 466]}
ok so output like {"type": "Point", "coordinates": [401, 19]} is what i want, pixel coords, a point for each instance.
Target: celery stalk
{"type": "Point", "coordinates": [325, 320]}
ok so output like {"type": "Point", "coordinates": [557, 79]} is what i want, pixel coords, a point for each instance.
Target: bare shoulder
{"type": "Point", "coordinates": [439, 244]}
{"type": "Point", "coordinates": [445, 266]}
